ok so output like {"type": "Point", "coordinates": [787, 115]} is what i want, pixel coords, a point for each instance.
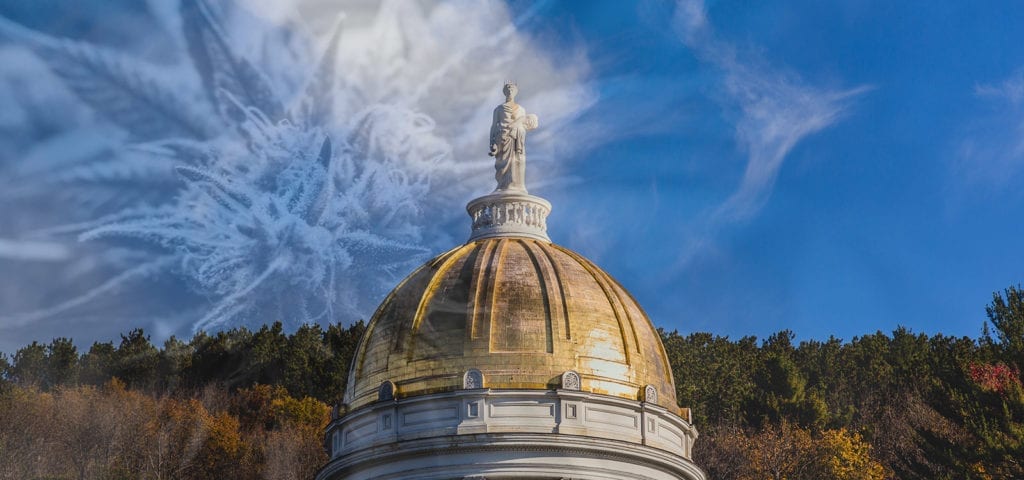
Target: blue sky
{"type": "Point", "coordinates": [881, 218]}
{"type": "Point", "coordinates": [833, 168]}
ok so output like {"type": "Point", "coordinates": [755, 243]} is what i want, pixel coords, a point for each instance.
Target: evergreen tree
{"type": "Point", "coordinates": [30, 366]}
{"type": "Point", "coordinates": [62, 362]}
{"type": "Point", "coordinates": [136, 360]}
{"type": "Point", "coordinates": [1006, 314]}
{"type": "Point", "coordinates": [903, 405]}
{"type": "Point", "coordinates": [5, 371]}
{"type": "Point", "coordinates": [98, 364]}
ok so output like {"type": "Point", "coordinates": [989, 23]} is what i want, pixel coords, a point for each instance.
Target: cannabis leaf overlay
{"type": "Point", "coordinates": [274, 192]}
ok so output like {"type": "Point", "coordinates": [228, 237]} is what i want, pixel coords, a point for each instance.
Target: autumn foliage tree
{"type": "Point", "coordinates": [901, 405]}
{"type": "Point", "coordinates": [233, 405]}
{"type": "Point", "coordinates": [786, 451]}
{"type": "Point", "coordinates": [252, 404]}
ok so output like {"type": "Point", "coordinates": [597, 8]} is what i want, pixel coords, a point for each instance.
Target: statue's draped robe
{"type": "Point", "coordinates": [508, 140]}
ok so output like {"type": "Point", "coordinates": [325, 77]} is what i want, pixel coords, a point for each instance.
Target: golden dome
{"type": "Point", "coordinates": [520, 310]}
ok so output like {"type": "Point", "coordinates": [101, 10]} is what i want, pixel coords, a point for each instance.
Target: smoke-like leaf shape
{"type": "Point", "coordinates": [317, 106]}
{"type": "Point", "coordinates": [123, 90]}
{"type": "Point", "coordinates": [314, 208]}
{"type": "Point", "coordinates": [99, 176]}
{"type": "Point", "coordinates": [218, 188]}
{"type": "Point", "coordinates": [304, 215]}
{"type": "Point", "coordinates": [133, 168]}
{"type": "Point", "coordinates": [223, 71]}
{"type": "Point", "coordinates": [374, 248]}
{"type": "Point", "coordinates": [119, 179]}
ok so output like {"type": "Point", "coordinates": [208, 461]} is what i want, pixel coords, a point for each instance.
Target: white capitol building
{"type": "Point", "coordinates": [510, 357]}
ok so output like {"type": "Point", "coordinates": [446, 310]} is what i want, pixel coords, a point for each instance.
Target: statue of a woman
{"type": "Point", "coordinates": [508, 141]}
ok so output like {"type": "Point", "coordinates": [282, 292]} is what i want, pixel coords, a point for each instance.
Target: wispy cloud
{"type": "Point", "coordinates": [991, 152]}
{"type": "Point", "coordinates": [224, 155]}
{"type": "Point", "coordinates": [776, 110]}
{"type": "Point", "coordinates": [1011, 89]}
{"type": "Point", "coordinates": [33, 251]}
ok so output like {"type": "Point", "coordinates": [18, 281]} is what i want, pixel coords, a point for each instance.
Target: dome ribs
{"type": "Point", "coordinates": [428, 296]}
{"type": "Point", "coordinates": [520, 310]}
{"type": "Point", "coordinates": [494, 273]}
{"type": "Point", "coordinates": [547, 295]}
{"type": "Point", "coordinates": [562, 292]}
{"type": "Point", "coordinates": [616, 303]}
{"type": "Point", "coordinates": [521, 316]}
{"type": "Point", "coordinates": [656, 347]}
{"type": "Point", "coordinates": [483, 287]}
{"type": "Point", "coordinates": [374, 345]}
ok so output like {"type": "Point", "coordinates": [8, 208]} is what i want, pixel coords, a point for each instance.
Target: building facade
{"type": "Point", "coordinates": [510, 357]}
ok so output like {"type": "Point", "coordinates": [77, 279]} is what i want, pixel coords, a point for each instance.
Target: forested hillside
{"type": "Point", "coordinates": [241, 404]}
{"type": "Point", "coordinates": [920, 406]}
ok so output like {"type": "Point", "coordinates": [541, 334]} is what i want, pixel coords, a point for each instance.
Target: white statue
{"type": "Point", "coordinates": [508, 141]}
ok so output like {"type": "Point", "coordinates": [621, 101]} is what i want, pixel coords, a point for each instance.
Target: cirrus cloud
{"type": "Point", "coordinates": [775, 109]}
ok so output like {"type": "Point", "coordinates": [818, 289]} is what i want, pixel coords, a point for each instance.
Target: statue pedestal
{"type": "Point", "coordinates": [509, 214]}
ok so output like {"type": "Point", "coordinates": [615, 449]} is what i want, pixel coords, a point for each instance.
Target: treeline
{"type": "Point", "coordinates": [234, 405]}
{"type": "Point", "coordinates": [311, 362]}
{"type": "Point", "coordinates": [928, 407]}
{"type": "Point", "coordinates": [242, 404]}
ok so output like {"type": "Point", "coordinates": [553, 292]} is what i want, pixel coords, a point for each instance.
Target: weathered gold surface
{"type": "Point", "coordinates": [521, 311]}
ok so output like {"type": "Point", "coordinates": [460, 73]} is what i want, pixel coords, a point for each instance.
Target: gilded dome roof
{"type": "Point", "coordinates": [520, 310]}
